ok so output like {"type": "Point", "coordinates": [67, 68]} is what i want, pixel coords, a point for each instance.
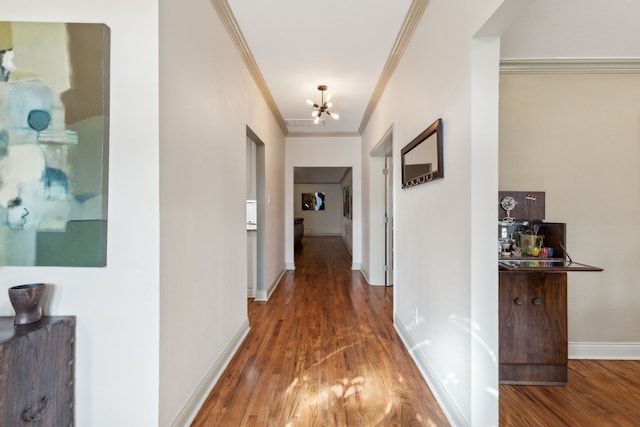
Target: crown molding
{"type": "Point", "coordinates": [230, 23]}
{"type": "Point", "coordinates": [571, 66]}
{"type": "Point", "coordinates": [404, 37]}
{"type": "Point", "coordinates": [411, 21]}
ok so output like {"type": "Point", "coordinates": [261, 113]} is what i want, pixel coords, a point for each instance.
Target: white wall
{"type": "Point", "coordinates": [565, 29]}
{"type": "Point", "coordinates": [117, 365]}
{"type": "Point", "coordinates": [436, 224]}
{"type": "Point", "coordinates": [116, 361]}
{"type": "Point", "coordinates": [319, 151]}
{"type": "Point", "coordinates": [581, 133]}
{"type": "Point", "coordinates": [276, 203]}
{"type": "Point", "coordinates": [370, 242]}
{"type": "Point", "coordinates": [321, 222]}
{"type": "Point", "coordinates": [208, 99]}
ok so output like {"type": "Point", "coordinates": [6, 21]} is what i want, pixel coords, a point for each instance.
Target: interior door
{"type": "Point", "coordinates": [388, 219]}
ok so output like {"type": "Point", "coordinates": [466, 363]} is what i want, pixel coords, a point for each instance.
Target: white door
{"type": "Point", "coordinates": [388, 222]}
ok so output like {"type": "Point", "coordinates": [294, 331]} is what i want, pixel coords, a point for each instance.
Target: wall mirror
{"type": "Point", "coordinates": [422, 157]}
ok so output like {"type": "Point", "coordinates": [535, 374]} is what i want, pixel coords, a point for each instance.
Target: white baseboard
{"type": "Point", "coordinates": [356, 266]}
{"type": "Point", "coordinates": [365, 275]}
{"type": "Point", "coordinates": [266, 294]}
{"type": "Point", "coordinates": [191, 409]}
{"type": "Point", "coordinates": [439, 391]}
{"type": "Point", "coordinates": [344, 242]}
{"type": "Point", "coordinates": [604, 350]}
{"type": "Point", "coordinates": [290, 266]}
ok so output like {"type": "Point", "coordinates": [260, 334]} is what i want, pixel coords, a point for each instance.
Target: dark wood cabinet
{"type": "Point", "coordinates": [37, 372]}
{"type": "Point", "coordinates": [532, 306]}
{"type": "Point", "coordinates": [533, 327]}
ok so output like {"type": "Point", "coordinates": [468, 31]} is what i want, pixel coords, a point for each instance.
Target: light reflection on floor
{"type": "Point", "coordinates": [361, 400]}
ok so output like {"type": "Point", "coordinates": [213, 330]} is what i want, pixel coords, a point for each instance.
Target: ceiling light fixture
{"type": "Point", "coordinates": [323, 107]}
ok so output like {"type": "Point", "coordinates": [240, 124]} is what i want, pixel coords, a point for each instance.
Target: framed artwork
{"type": "Point", "coordinates": [312, 201]}
{"type": "Point", "coordinates": [346, 201]}
{"type": "Point", "coordinates": [54, 139]}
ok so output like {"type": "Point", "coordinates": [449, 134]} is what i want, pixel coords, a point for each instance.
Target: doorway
{"type": "Point", "coordinates": [381, 208]}
{"type": "Point", "coordinates": [333, 185]}
{"type": "Point", "coordinates": [256, 199]}
{"type": "Point", "coordinates": [388, 220]}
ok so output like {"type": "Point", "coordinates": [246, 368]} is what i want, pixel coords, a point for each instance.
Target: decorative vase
{"type": "Point", "coordinates": [26, 301]}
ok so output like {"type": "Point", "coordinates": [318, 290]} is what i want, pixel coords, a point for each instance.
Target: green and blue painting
{"type": "Point", "coordinates": [54, 140]}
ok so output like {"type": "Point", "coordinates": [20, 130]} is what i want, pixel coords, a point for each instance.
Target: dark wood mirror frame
{"type": "Point", "coordinates": [422, 157]}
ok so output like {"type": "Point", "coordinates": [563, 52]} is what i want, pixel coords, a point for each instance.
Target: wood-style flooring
{"type": "Point", "coordinates": [323, 352]}
{"type": "Point", "coordinates": [600, 393]}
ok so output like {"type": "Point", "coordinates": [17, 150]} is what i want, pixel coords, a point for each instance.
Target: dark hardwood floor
{"type": "Point", "coordinates": [323, 352]}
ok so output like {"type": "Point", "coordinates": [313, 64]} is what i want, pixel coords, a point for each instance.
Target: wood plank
{"type": "Point", "coordinates": [598, 393]}
{"type": "Point", "coordinates": [322, 352]}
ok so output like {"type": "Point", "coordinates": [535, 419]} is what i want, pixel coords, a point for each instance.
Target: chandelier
{"type": "Point", "coordinates": [323, 107]}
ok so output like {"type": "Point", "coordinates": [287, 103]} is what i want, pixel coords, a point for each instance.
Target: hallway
{"type": "Point", "coordinates": [322, 352]}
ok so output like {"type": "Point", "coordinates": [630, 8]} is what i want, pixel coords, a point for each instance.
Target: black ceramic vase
{"type": "Point", "coordinates": [26, 301]}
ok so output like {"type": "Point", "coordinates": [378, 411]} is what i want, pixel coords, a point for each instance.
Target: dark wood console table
{"type": "Point", "coordinates": [37, 372]}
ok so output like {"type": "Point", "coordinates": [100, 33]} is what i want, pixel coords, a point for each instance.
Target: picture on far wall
{"type": "Point", "coordinates": [54, 139]}
{"type": "Point", "coordinates": [312, 201]}
{"type": "Point", "coordinates": [346, 202]}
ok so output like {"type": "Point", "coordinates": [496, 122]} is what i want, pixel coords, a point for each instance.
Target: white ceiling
{"type": "Point", "coordinates": [351, 46]}
{"type": "Point", "coordinates": [298, 45]}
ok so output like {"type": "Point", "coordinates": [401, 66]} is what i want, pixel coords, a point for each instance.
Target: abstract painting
{"type": "Point", "coordinates": [54, 140]}
{"type": "Point", "coordinates": [312, 201]}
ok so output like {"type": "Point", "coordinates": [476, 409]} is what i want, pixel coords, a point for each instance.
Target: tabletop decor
{"type": "Point", "coordinates": [27, 302]}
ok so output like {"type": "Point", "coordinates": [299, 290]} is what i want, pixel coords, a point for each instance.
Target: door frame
{"type": "Point", "coordinates": [381, 243]}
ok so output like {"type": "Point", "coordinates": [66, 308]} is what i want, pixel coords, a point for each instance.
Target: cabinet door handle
{"type": "Point", "coordinates": [537, 301]}
{"type": "Point", "coordinates": [518, 301]}
{"type": "Point", "coordinates": [29, 416]}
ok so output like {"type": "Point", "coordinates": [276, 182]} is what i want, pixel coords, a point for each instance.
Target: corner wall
{"type": "Point", "coordinates": [208, 99]}
{"type": "Point", "coordinates": [438, 236]}
{"type": "Point", "coordinates": [317, 151]}
{"type": "Point", "coordinates": [582, 134]}
{"type": "Point", "coordinates": [116, 361]}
